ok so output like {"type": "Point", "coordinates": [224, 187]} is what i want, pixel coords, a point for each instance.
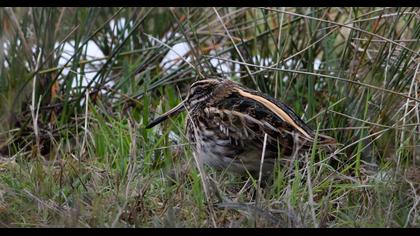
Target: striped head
{"type": "Point", "coordinates": [199, 92]}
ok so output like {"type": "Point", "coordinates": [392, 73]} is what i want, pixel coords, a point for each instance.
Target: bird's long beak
{"type": "Point", "coordinates": [174, 111]}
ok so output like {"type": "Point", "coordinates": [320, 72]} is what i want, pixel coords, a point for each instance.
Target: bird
{"type": "Point", "coordinates": [229, 127]}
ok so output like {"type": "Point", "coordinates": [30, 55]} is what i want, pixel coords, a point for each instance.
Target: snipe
{"type": "Point", "coordinates": [226, 125]}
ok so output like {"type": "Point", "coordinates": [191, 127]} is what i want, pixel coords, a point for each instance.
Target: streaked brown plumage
{"type": "Point", "coordinates": [226, 125]}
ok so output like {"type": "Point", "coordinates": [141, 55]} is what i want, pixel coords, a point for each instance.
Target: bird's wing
{"type": "Point", "coordinates": [287, 115]}
{"type": "Point", "coordinates": [245, 121]}
{"type": "Point", "coordinates": [263, 114]}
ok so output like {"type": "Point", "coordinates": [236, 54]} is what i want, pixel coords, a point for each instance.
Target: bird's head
{"type": "Point", "coordinates": [199, 93]}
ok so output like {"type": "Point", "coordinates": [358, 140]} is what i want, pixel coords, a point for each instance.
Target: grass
{"type": "Point", "coordinates": [76, 153]}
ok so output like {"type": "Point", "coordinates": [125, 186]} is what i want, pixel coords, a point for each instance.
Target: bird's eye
{"type": "Point", "coordinates": [198, 90]}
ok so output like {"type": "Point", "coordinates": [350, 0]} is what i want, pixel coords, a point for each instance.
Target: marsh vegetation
{"type": "Point", "coordinates": [78, 86]}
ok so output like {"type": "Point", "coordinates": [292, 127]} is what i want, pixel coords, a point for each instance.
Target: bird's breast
{"type": "Point", "coordinates": [217, 146]}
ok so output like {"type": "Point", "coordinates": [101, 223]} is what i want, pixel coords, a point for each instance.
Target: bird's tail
{"type": "Point", "coordinates": [328, 143]}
